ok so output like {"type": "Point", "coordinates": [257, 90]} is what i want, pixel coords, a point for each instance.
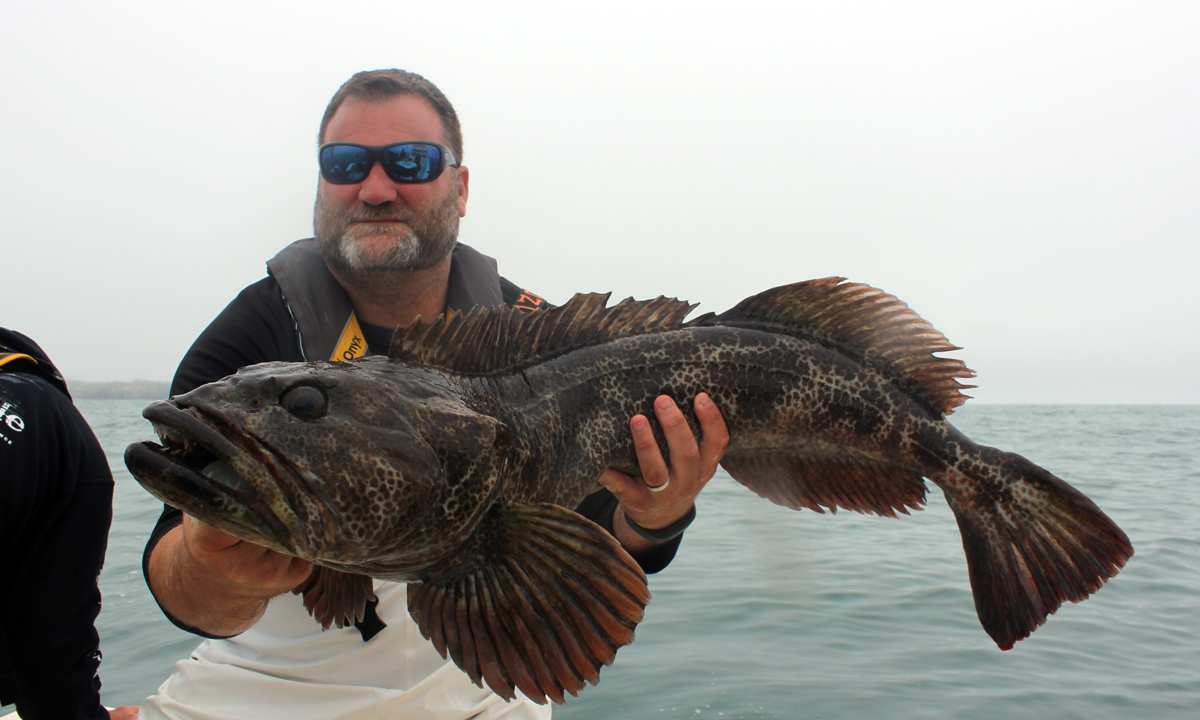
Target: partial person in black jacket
{"type": "Point", "coordinates": [55, 508]}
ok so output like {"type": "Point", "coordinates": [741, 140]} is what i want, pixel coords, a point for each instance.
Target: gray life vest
{"type": "Point", "coordinates": [324, 316]}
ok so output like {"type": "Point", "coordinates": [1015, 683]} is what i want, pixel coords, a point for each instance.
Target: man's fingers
{"type": "Point", "coordinates": [252, 568]}
{"type": "Point", "coordinates": [665, 493]}
{"type": "Point", "coordinates": [653, 468]}
{"type": "Point", "coordinates": [692, 463]}
{"type": "Point", "coordinates": [619, 484]}
{"type": "Point", "coordinates": [715, 434]}
{"type": "Point", "coordinates": [685, 454]}
{"type": "Point", "coordinates": [202, 538]}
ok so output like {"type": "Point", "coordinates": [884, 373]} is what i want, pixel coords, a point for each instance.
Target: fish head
{"type": "Point", "coordinates": [366, 466]}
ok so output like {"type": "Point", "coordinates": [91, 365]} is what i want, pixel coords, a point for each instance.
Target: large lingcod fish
{"type": "Point", "coordinates": [453, 464]}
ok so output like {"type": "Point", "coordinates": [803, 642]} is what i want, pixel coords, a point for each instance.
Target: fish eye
{"type": "Point", "coordinates": [305, 402]}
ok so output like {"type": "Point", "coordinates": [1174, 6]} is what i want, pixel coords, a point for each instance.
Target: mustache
{"type": "Point", "coordinates": [369, 213]}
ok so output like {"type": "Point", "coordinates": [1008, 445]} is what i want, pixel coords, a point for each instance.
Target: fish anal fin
{"type": "Point", "coordinates": [337, 598]}
{"type": "Point", "coordinates": [821, 482]}
{"type": "Point", "coordinates": [1032, 542]}
{"type": "Point", "coordinates": [487, 340]}
{"type": "Point", "coordinates": [539, 601]}
{"type": "Point", "coordinates": [862, 320]}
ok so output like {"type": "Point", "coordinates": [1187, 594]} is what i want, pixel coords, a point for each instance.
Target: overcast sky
{"type": "Point", "coordinates": [1026, 174]}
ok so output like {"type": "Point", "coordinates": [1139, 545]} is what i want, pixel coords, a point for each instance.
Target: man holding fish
{"type": "Point", "coordinates": [385, 252]}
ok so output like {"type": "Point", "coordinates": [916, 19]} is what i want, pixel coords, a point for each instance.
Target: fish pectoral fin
{"type": "Point", "coordinates": [538, 600]}
{"type": "Point", "coordinates": [818, 483]}
{"type": "Point", "coordinates": [336, 598]}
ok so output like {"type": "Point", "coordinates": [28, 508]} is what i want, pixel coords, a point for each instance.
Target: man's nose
{"type": "Point", "coordinates": [377, 188]}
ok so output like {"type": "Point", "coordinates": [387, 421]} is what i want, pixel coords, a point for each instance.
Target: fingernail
{"type": "Point", "coordinates": [704, 400]}
{"type": "Point", "coordinates": [639, 424]}
{"type": "Point", "coordinates": [664, 403]}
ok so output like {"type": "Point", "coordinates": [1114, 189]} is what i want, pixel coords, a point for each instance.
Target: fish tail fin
{"type": "Point", "coordinates": [538, 601]}
{"type": "Point", "coordinates": [1031, 540]}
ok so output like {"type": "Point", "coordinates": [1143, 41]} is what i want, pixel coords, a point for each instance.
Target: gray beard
{"type": "Point", "coordinates": [422, 242]}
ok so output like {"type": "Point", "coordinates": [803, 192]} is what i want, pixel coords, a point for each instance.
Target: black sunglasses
{"type": "Point", "coordinates": [406, 162]}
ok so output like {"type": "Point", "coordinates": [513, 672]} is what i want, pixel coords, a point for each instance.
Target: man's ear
{"type": "Point", "coordinates": [462, 179]}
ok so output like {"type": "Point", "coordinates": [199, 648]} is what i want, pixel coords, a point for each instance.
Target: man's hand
{"type": "Point", "coordinates": [217, 583]}
{"type": "Point", "coordinates": [664, 494]}
{"type": "Point", "coordinates": [125, 712]}
{"type": "Point", "coordinates": [248, 570]}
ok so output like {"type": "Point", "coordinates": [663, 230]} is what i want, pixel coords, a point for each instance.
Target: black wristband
{"type": "Point", "coordinates": [666, 534]}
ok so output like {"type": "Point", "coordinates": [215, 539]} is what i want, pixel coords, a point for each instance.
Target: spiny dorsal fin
{"type": "Point", "coordinates": [493, 339]}
{"type": "Point", "coordinates": [866, 320]}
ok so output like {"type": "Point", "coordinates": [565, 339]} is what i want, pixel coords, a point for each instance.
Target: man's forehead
{"type": "Point", "coordinates": [377, 122]}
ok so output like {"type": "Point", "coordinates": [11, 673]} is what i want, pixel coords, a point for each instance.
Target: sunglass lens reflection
{"type": "Point", "coordinates": [411, 163]}
{"type": "Point", "coordinates": [343, 164]}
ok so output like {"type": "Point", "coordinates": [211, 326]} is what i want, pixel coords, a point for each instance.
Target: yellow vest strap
{"type": "Point", "coordinates": [6, 358]}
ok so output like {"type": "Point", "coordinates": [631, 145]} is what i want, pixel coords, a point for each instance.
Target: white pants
{"type": "Point", "coordinates": [287, 667]}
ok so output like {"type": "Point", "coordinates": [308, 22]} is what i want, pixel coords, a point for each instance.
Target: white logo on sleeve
{"type": "Point", "coordinates": [9, 420]}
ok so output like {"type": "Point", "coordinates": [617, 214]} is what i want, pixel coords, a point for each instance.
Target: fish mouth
{"type": "Point", "coordinates": [210, 469]}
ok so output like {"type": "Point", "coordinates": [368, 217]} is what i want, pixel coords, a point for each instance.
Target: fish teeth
{"type": "Point", "coordinates": [171, 437]}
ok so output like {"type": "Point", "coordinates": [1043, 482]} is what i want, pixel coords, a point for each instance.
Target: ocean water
{"type": "Point", "coordinates": [770, 613]}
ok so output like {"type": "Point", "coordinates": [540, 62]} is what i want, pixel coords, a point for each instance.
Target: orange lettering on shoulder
{"type": "Point", "coordinates": [528, 301]}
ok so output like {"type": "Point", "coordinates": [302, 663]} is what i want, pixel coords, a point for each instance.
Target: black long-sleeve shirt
{"type": "Point", "coordinates": [55, 509]}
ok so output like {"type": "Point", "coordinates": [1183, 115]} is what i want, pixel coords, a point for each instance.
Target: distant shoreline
{"type": "Point", "coordinates": [123, 390]}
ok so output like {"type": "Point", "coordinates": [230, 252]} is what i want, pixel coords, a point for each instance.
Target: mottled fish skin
{"type": "Point", "coordinates": [452, 464]}
{"type": "Point", "coordinates": [776, 393]}
{"type": "Point", "coordinates": [366, 487]}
